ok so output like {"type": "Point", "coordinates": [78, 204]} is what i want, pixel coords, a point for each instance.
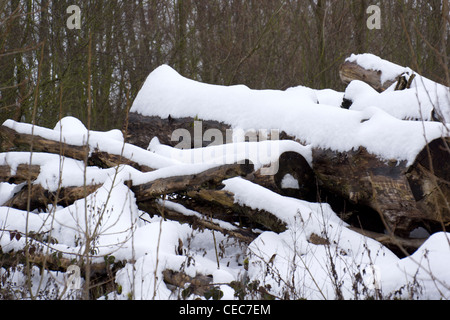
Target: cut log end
{"type": "Point", "coordinates": [350, 71]}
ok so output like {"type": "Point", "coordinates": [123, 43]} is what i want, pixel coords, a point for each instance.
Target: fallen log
{"type": "Point", "coordinates": [55, 261]}
{"type": "Point", "coordinates": [197, 221]}
{"type": "Point", "coordinates": [36, 197]}
{"type": "Point", "coordinates": [428, 101]}
{"type": "Point", "coordinates": [209, 179]}
{"type": "Point", "coordinates": [144, 129]}
{"type": "Point", "coordinates": [381, 74]}
{"type": "Point", "coordinates": [429, 179]}
{"type": "Point", "coordinates": [392, 189]}
{"type": "Point", "coordinates": [186, 133]}
{"type": "Point", "coordinates": [13, 141]}
{"type": "Point", "coordinates": [400, 194]}
{"type": "Point", "coordinates": [378, 73]}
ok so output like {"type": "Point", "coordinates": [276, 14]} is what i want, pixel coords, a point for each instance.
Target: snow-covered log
{"type": "Point", "coordinates": [376, 77]}
{"type": "Point", "coordinates": [34, 196]}
{"type": "Point", "coordinates": [365, 155]}
{"type": "Point", "coordinates": [395, 190]}
{"type": "Point", "coordinates": [397, 90]}
{"type": "Point", "coordinates": [102, 149]}
{"type": "Point", "coordinates": [381, 74]}
{"type": "Point", "coordinates": [210, 178]}
{"type": "Point", "coordinates": [227, 200]}
{"type": "Point", "coordinates": [143, 129]}
{"type": "Point", "coordinates": [14, 141]}
{"type": "Point", "coordinates": [55, 261]}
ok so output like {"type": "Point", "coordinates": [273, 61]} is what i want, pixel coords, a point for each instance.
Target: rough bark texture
{"type": "Point", "coordinates": [209, 178]}
{"type": "Point", "coordinates": [429, 179]}
{"type": "Point", "coordinates": [13, 141]}
{"type": "Point", "coordinates": [392, 189]}
{"type": "Point", "coordinates": [40, 198]}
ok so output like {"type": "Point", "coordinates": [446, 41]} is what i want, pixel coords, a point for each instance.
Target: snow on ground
{"type": "Point", "coordinates": [318, 257]}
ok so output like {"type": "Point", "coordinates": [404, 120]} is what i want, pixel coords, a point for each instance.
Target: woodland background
{"type": "Point", "coordinates": [46, 68]}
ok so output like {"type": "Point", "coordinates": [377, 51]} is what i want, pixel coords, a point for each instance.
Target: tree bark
{"type": "Point", "coordinates": [210, 178]}
{"type": "Point", "coordinates": [400, 194]}
{"type": "Point", "coordinates": [41, 198]}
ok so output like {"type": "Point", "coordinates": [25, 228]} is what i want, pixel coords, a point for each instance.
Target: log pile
{"type": "Point", "coordinates": [384, 200]}
{"type": "Point", "coordinates": [382, 195]}
{"type": "Point", "coordinates": [351, 70]}
{"type": "Point", "coordinates": [406, 197]}
{"type": "Point", "coordinates": [203, 189]}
